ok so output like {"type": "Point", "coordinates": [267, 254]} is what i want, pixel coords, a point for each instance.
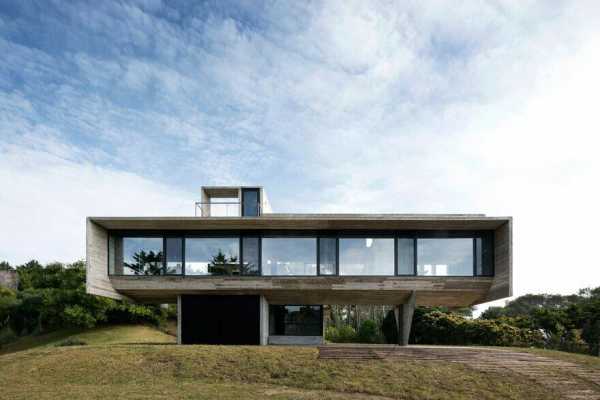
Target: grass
{"type": "Point", "coordinates": [126, 362]}
{"type": "Point", "coordinates": [110, 365]}
{"type": "Point", "coordinates": [581, 359]}
{"type": "Point", "coordinates": [98, 336]}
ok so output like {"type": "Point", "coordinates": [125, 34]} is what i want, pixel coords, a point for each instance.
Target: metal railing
{"type": "Point", "coordinates": [221, 209]}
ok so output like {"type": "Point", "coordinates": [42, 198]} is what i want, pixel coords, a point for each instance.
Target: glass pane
{"type": "Point", "coordinates": [327, 256]}
{"type": "Point", "coordinates": [212, 256]}
{"type": "Point", "coordinates": [289, 256]}
{"type": "Point", "coordinates": [250, 252]}
{"type": "Point", "coordinates": [445, 257]}
{"type": "Point", "coordinates": [367, 256]}
{"type": "Point", "coordinates": [484, 259]}
{"type": "Point", "coordinates": [142, 256]}
{"type": "Point", "coordinates": [174, 255]}
{"type": "Point", "coordinates": [296, 320]}
{"type": "Point", "coordinates": [111, 255]}
{"type": "Point", "coordinates": [406, 256]}
{"type": "Point", "coordinates": [250, 202]}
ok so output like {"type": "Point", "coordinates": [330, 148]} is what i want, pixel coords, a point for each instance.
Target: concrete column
{"type": "Point", "coordinates": [179, 319]}
{"type": "Point", "coordinates": [404, 315]}
{"type": "Point", "coordinates": [264, 321]}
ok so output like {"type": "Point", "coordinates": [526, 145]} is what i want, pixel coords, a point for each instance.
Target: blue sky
{"type": "Point", "coordinates": [127, 108]}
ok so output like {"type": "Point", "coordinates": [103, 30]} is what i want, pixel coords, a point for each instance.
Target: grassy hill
{"type": "Point", "coordinates": [116, 364]}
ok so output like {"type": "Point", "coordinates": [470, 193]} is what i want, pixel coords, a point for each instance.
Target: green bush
{"type": "Point", "coordinates": [435, 327]}
{"type": "Point", "coordinates": [368, 332]}
{"type": "Point", "coordinates": [343, 334]}
{"type": "Point", "coordinates": [78, 316]}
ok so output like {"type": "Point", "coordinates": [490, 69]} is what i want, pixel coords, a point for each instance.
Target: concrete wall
{"type": "Point", "coordinates": [296, 340]}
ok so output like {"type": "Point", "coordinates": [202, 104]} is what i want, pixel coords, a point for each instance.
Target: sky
{"type": "Point", "coordinates": [127, 108]}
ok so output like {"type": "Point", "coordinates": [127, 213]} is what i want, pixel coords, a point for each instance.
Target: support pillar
{"type": "Point", "coordinates": [264, 321]}
{"type": "Point", "coordinates": [179, 319]}
{"type": "Point", "coordinates": [404, 315]}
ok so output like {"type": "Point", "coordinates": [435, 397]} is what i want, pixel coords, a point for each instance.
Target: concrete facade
{"type": "Point", "coordinates": [402, 292]}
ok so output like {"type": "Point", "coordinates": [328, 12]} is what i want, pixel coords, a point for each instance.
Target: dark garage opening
{"type": "Point", "coordinates": [220, 319]}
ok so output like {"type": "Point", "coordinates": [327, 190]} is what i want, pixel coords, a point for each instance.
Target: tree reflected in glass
{"type": "Point", "coordinates": [146, 263]}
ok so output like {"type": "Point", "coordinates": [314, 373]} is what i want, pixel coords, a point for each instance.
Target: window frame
{"type": "Point", "coordinates": [487, 236]}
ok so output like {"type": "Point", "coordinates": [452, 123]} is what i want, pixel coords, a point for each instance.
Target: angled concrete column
{"type": "Point", "coordinates": [264, 321]}
{"type": "Point", "coordinates": [178, 319]}
{"type": "Point", "coordinates": [404, 315]}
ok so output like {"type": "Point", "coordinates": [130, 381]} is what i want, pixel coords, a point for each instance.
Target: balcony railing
{"type": "Point", "coordinates": [221, 209]}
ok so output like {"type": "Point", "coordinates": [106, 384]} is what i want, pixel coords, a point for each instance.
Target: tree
{"type": "Point", "coordinates": [223, 265]}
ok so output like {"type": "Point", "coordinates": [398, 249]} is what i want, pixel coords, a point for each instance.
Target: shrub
{"type": "Point", "coordinates": [78, 316]}
{"type": "Point", "coordinates": [343, 334]}
{"type": "Point", "coordinates": [368, 332]}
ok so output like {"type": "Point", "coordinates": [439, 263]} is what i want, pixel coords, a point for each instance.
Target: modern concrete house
{"type": "Point", "coordinates": [242, 274]}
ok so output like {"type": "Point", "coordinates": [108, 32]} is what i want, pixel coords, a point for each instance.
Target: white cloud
{"type": "Point", "coordinates": [46, 198]}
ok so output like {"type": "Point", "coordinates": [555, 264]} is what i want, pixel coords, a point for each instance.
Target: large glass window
{"type": "Point", "coordinates": [445, 257]}
{"type": "Point", "coordinates": [296, 320]}
{"type": "Point", "coordinates": [406, 256]}
{"type": "Point", "coordinates": [142, 256]}
{"type": "Point", "coordinates": [289, 256]}
{"type": "Point", "coordinates": [174, 256]}
{"type": "Point", "coordinates": [367, 256]}
{"type": "Point", "coordinates": [250, 255]}
{"type": "Point", "coordinates": [327, 256]}
{"type": "Point", "coordinates": [212, 256]}
{"type": "Point", "coordinates": [484, 256]}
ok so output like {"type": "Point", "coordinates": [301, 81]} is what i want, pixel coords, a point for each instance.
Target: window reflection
{"type": "Point", "coordinates": [367, 256]}
{"type": "Point", "coordinates": [445, 257]}
{"type": "Point", "coordinates": [296, 320]}
{"type": "Point", "coordinates": [289, 256]}
{"type": "Point", "coordinates": [250, 254]}
{"type": "Point", "coordinates": [212, 256]}
{"type": "Point", "coordinates": [327, 256]}
{"type": "Point", "coordinates": [174, 256]}
{"type": "Point", "coordinates": [142, 256]}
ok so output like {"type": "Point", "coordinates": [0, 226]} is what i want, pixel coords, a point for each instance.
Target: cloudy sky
{"type": "Point", "coordinates": [127, 108]}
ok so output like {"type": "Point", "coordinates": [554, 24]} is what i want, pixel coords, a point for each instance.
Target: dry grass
{"type": "Point", "coordinates": [143, 371]}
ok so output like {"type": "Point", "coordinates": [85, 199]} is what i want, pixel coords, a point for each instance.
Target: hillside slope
{"type": "Point", "coordinates": [170, 371]}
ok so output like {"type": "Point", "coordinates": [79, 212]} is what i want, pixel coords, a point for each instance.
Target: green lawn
{"type": "Point", "coordinates": [138, 362]}
{"type": "Point", "coordinates": [114, 364]}
{"type": "Point", "coordinates": [98, 336]}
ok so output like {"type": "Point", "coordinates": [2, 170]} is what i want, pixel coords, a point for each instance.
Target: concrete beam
{"type": "Point", "coordinates": [404, 316]}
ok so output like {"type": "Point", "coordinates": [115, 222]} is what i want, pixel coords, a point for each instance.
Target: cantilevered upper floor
{"type": "Point", "coordinates": [451, 260]}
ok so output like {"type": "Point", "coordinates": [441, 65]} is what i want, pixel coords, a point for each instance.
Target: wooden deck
{"type": "Point", "coordinates": [571, 380]}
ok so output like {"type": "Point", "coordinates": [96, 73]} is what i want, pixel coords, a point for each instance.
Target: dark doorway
{"type": "Point", "coordinates": [250, 203]}
{"type": "Point", "coordinates": [220, 319]}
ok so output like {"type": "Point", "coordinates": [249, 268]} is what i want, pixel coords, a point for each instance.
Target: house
{"type": "Point", "coordinates": [242, 274]}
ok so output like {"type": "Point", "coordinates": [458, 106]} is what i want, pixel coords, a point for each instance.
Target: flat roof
{"type": "Point", "coordinates": [309, 222]}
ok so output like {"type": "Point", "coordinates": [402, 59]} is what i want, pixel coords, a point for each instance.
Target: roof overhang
{"type": "Point", "coordinates": [308, 222]}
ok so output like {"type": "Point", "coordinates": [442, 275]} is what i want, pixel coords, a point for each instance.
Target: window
{"type": "Point", "coordinates": [174, 256]}
{"type": "Point", "coordinates": [445, 257]}
{"type": "Point", "coordinates": [406, 256]}
{"type": "Point", "coordinates": [289, 256]}
{"type": "Point", "coordinates": [367, 256]}
{"type": "Point", "coordinates": [143, 256]}
{"type": "Point", "coordinates": [327, 256]}
{"type": "Point", "coordinates": [250, 254]}
{"type": "Point", "coordinates": [484, 256]}
{"type": "Point", "coordinates": [250, 203]}
{"type": "Point", "coordinates": [296, 320]}
{"type": "Point", "coordinates": [212, 256]}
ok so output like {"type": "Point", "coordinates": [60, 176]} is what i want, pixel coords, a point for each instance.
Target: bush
{"type": "Point", "coordinates": [343, 334]}
{"type": "Point", "coordinates": [368, 332]}
{"type": "Point", "coordinates": [7, 335]}
{"type": "Point", "coordinates": [78, 316]}
{"type": "Point", "coordinates": [435, 327]}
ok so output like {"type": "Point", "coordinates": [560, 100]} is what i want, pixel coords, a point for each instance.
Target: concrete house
{"type": "Point", "coordinates": [242, 274]}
